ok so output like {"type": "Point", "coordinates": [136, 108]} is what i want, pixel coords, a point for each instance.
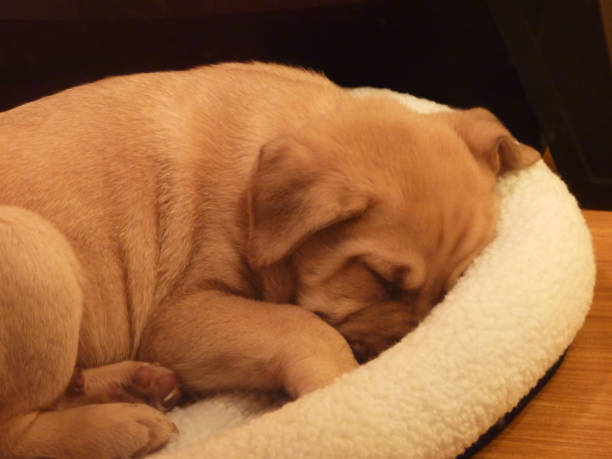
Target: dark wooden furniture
{"type": "Point", "coordinates": [538, 65]}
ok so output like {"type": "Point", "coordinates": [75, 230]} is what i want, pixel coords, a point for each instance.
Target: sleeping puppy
{"type": "Point", "coordinates": [243, 225]}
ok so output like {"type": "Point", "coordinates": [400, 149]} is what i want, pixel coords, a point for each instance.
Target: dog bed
{"type": "Point", "coordinates": [505, 323]}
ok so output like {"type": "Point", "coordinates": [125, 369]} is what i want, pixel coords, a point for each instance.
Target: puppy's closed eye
{"type": "Point", "coordinates": [393, 285]}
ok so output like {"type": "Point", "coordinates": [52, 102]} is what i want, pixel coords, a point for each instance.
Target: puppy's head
{"type": "Point", "coordinates": [367, 219]}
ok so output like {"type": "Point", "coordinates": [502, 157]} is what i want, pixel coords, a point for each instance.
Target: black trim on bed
{"type": "Point", "coordinates": [500, 425]}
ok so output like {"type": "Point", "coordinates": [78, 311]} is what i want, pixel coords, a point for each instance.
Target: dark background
{"type": "Point", "coordinates": [541, 66]}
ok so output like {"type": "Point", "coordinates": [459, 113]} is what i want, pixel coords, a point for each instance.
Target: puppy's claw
{"type": "Point", "coordinates": [171, 399]}
{"type": "Point", "coordinates": [157, 385]}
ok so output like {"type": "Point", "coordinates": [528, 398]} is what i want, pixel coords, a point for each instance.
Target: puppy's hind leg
{"type": "Point", "coordinates": [40, 313]}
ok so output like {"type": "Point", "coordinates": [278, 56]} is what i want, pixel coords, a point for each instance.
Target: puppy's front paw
{"type": "Point", "coordinates": [328, 360]}
{"type": "Point", "coordinates": [314, 373]}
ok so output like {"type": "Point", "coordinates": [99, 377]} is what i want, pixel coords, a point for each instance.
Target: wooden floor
{"type": "Point", "coordinates": [572, 416]}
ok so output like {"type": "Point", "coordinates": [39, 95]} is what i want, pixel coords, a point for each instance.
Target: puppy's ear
{"type": "Point", "coordinates": [294, 194]}
{"type": "Point", "coordinates": [491, 142]}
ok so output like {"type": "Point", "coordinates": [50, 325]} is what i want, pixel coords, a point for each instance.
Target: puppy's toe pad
{"type": "Point", "coordinates": [157, 385]}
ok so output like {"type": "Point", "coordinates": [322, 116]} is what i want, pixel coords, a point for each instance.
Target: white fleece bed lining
{"type": "Point", "coordinates": [506, 322]}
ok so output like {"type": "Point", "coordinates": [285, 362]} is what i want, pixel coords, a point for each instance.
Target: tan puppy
{"type": "Point", "coordinates": [180, 217]}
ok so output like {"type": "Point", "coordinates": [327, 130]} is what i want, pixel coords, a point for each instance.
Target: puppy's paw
{"type": "Point", "coordinates": [314, 373]}
{"type": "Point", "coordinates": [100, 431]}
{"type": "Point", "coordinates": [128, 381]}
{"type": "Point", "coordinates": [147, 430]}
{"type": "Point", "coordinates": [156, 385]}
{"type": "Point", "coordinates": [125, 430]}
{"type": "Point", "coordinates": [328, 359]}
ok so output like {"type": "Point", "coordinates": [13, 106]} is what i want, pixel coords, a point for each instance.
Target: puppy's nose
{"type": "Point", "coordinates": [427, 301]}
{"type": "Point", "coordinates": [440, 297]}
